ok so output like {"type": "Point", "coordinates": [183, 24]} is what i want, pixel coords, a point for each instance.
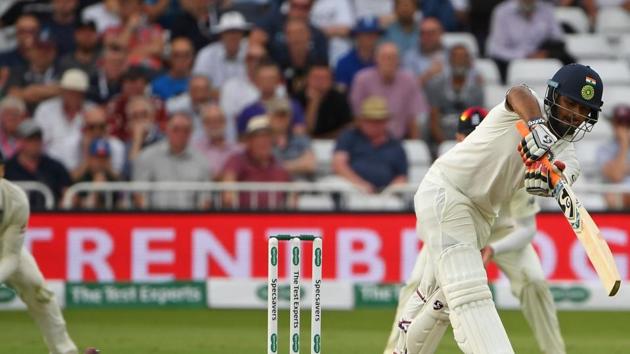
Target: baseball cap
{"type": "Point", "coordinates": [28, 129]}
{"type": "Point", "coordinates": [75, 80]}
{"type": "Point", "coordinates": [85, 24]}
{"type": "Point", "coordinates": [135, 72]}
{"type": "Point", "coordinates": [100, 148]}
{"type": "Point", "coordinates": [279, 105]}
{"type": "Point", "coordinates": [257, 124]}
{"type": "Point", "coordinates": [368, 24]}
{"type": "Point", "coordinates": [470, 119]}
{"type": "Point", "coordinates": [374, 108]}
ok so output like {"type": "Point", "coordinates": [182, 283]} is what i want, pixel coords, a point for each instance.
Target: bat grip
{"type": "Point", "coordinates": [555, 176]}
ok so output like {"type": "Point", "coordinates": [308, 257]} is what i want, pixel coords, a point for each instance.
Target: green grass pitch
{"type": "Point", "coordinates": [243, 332]}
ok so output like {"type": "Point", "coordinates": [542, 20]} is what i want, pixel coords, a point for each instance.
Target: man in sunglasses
{"type": "Point", "coordinates": [457, 202]}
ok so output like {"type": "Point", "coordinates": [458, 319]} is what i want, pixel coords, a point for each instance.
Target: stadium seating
{"type": "Point", "coordinates": [494, 94]}
{"type": "Point", "coordinates": [613, 72]}
{"type": "Point", "coordinates": [323, 150]}
{"type": "Point", "coordinates": [532, 71]}
{"type": "Point", "coordinates": [374, 202]}
{"type": "Point", "coordinates": [612, 21]}
{"type": "Point", "coordinates": [589, 46]}
{"type": "Point", "coordinates": [623, 47]}
{"type": "Point", "coordinates": [614, 95]}
{"type": "Point", "coordinates": [574, 17]}
{"type": "Point", "coordinates": [320, 202]}
{"type": "Point", "coordinates": [467, 39]}
{"type": "Point", "coordinates": [489, 71]}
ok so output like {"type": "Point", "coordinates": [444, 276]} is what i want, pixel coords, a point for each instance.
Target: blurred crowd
{"type": "Point", "coordinates": [238, 90]}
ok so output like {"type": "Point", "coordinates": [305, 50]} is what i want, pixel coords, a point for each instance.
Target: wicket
{"type": "Point", "coordinates": [294, 305]}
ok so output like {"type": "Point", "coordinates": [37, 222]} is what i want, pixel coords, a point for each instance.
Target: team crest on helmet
{"type": "Point", "coordinates": [588, 92]}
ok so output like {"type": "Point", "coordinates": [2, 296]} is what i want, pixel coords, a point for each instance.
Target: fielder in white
{"type": "Point", "coordinates": [510, 247]}
{"type": "Point", "coordinates": [460, 198]}
{"type": "Point", "coordinates": [19, 271]}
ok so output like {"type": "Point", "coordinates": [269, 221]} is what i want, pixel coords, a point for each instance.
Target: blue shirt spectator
{"type": "Point", "coordinates": [366, 34]}
{"type": "Point", "coordinates": [166, 87]}
{"type": "Point", "coordinates": [367, 155]}
{"type": "Point", "coordinates": [404, 31]}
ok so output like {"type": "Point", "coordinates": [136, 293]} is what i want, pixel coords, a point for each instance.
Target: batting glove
{"type": "Point", "coordinates": [538, 178]}
{"type": "Point", "coordinates": [537, 143]}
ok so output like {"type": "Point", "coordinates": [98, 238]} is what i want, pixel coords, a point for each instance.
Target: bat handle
{"type": "Point", "coordinates": [555, 176]}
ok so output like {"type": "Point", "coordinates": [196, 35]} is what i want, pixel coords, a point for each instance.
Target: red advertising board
{"type": "Point", "coordinates": [360, 247]}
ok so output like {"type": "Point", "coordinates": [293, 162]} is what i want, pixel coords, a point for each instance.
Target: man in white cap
{"type": "Point", "coordinates": [61, 117]}
{"type": "Point", "coordinates": [224, 59]}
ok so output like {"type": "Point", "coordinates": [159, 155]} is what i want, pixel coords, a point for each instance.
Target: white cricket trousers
{"type": "Point", "coordinates": [29, 284]}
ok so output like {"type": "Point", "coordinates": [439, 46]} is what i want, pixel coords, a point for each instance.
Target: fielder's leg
{"type": "Point", "coordinates": [28, 282]}
{"type": "Point", "coordinates": [454, 232]}
{"type": "Point", "coordinates": [528, 284]}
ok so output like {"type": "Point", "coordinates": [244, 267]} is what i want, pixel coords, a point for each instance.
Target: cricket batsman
{"type": "Point", "coordinates": [19, 271]}
{"type": "Point", "coordinates": [510, 248]}
{"type": "Point", "coordinates": [460, 198]}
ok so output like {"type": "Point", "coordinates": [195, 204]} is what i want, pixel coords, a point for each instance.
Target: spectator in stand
{"type": "Point", "coordinates": [31, 163]}
{"type": "Point", "coordinates": [268, 80]}
{"type": "Point", "coordinates": [479, 20]}
{"type": "Point", "coordinates": [226, 58]}
{"type": "Point", "coordinates": [404, 31]}
{"type": "Point", "coordinates": [367, 155]}
{"type": "Point", "coordinates": [133, 83]}
{"type": "Point", "coordinates": [405, 98]}
{"type": "Point", "coordinates": [298, 54]}
{"type": "Point", "coordinates": [175, 81]}
{"type": "Point", "coordinates": [195, 22]}
{"type": "Point", "coordinates": [26, 31]}
{"type": "Point", "coordinates": [366, 33]}
{"type": "Point", "coordinates": [615, 157]}
{"type": "Point", "coordinates": [213, 143]}
{"type": "Point", "coordinates": [239, 92]}
{"type": "Point", "coordinates": [335, 18]}
{"type": "Point", "coordinates": [75, 149]}
{"type": "Point", "coordinates": [457, 87]}
{"type": "Point", "coordinates": [172, 160]}
{"type": "Point", "coordinates": [60, 24]}
{"type": "Point", "coordinates": [256, 164]}
{"type": "Point", "coordinates": [106, 80]}
{"type": "Point", "coordinates": [37, 81]}
{"type": "Point", "coordinates": [270, 31]}
{"type": "Point", "coordinates": [427, 59]}
{"type": "Point", "coordinates": [327, 110]}
{"type": "Point", "coordinates": [199, 94]}
{"type": "Point", "coordinates": [144, 40]}
{"type": "Point", "coordinates": [383, 10]}
{"type": "Point", "coordinates": [511, 36]}
{"type": "Point", "coordinates": [105, 14]}
{"type": "Point", "coordinates": [86, 51]}
{"type": "Point", "coordinates": [12, 113]}
{"type": "Point", "coordinates": [61, 117]}
{"type": "Point", "coordinates": [452, 14]}
{"type": "Point", "coordinates": [294, 151]}
{"type": "Point", "coordinates": [142, 126]}
{"type": "Point", "coordinates": [98, 169]}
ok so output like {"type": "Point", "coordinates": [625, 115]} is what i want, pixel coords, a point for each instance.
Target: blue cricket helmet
{"type": "Point", "coordinates": [581, 84]}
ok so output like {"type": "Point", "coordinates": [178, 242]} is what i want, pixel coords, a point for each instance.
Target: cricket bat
{"type": "Point", "coordinates": [584, 227]}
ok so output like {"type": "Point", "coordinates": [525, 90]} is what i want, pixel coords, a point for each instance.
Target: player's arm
{"type": "Point", "coordinates": [523, 233]}
{"type": "Point", "coordinates": [522, 101]}
{"type": "Point", "coordinates": [12, 242]}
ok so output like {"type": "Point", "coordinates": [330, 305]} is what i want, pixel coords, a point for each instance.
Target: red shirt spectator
{"type": "Point", "coordinates": [256, 164]}
{"type": "Point", "coordinates": [134, 83]}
